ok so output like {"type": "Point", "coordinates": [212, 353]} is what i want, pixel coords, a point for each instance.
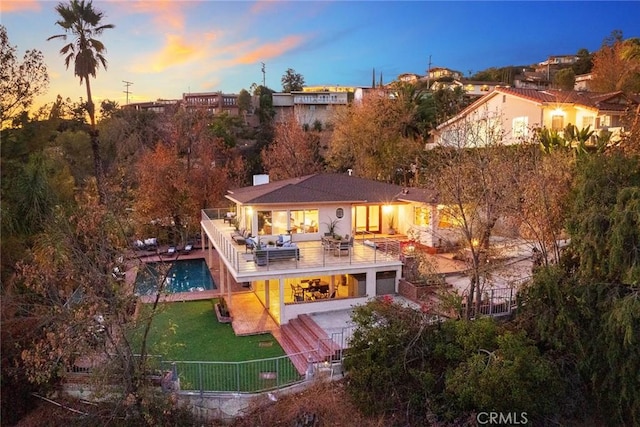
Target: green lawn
{"type": "Point", "coordinates": [189, 331]}
{"type": "Point", "coordinates": [190, 334]}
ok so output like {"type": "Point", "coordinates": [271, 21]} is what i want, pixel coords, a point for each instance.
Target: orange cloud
{"type": "Point", "coordinates": [270, 50]}
{"type": "Point", "coordinates": [176, 51]}
{"type": "Point", "coordinates": [165, 14]}
{"type": "Point", "coordinates": [19, 6]}
{"type": "Point", "coordinates": [264, 5]}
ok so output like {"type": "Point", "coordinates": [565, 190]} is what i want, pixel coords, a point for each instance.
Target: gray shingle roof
{"type": "Point", "coordinates": [328, 188]}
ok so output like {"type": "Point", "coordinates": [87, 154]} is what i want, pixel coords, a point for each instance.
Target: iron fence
{"type": "Point", "coordinates": [239, 377]}
{"type": "Point", "coordinates": [495, 302]}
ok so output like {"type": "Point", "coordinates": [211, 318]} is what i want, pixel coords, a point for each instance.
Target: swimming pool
{"type": "Point", "coordinates": [190, 275]}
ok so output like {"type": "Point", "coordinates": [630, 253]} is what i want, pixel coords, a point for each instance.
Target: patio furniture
{"type": "Point", "coordinates": [342, 245]}
{"type": "Point", "coordinates": [187, 248]}
{"type": "Point", "coordinates": [240, 236]}
{"type": "Point", "coordinates": [282, 239]}
{"type": "Point", "coordinates": [250, 244]}
{"type": "Point", "coordinates": [297, 293]}
{"type": "Point", "coordinates": [264, 255]}
{"type": "Point", "coordinates": [171, 251]}
{"type": "Point", "coordinates": [229, 217]}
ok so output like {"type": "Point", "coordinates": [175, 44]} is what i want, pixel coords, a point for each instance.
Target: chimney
{"type": "Point", "coordinates": [260, 179]}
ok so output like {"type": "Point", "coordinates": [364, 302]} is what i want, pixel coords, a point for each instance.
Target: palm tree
{"type": "Point", "coordinates": [82, 21]}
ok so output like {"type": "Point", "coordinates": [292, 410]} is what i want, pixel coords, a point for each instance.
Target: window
{"type": "Point", "coordinates": [280, 223]}
{"type": "Point", "coordinates": [265, 225]}
{"type": "Point", "coordinates": [519, 127]}
{"type": "Point", "coordinates": [421, 216]}
{"type": "Point", "coordinates": [557, 122]}
{"type": "Point", "coordinates": [446, 218]}
{"type": "Point", "coordinates": [303, 221]}
{"type": "Point", "coordinates": [588, 121]}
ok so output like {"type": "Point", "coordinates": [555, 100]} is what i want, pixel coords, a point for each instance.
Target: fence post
{"type": "Point", "coordinates": [491, 303]}
{"type": "Point", "coordinates": [237, 377]}
{"type": "Point", "coordinates": [200, 380]}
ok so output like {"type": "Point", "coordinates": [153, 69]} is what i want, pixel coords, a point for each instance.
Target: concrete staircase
{"type": "Point", "coordinates": [303, 340]}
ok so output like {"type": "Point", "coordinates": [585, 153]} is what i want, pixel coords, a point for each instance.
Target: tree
{"type": "Point", "coordinates": [584, 63]}
{"type": "Point", "coordinates": [163, 196]}
{"type": "Point", "coordinates": [545, 189]}
{"type": "Point", "coordinates": [293, 153]}
{"type": "Point", "coordinates": [448, 103]}
{"type": "Point", "coordinates": [586, 309]}
{"type": "Point", "coordinates": [565, 79]}
{"type": "Point", "coordinates": [474, 175]}
{"type": "Point", "coordinates": [20, 83]}
{"type": "Point", "coordinates": [421, 371]}
{"type": "Point", "coordinates": [244, 103]}
{"type": "Point", "coordinates": [292, 81]}
{"type": "Point", "coordinates": [75, 313]}
{"type": "Point", "coordinates": [369, 138]}
{"type": "Point", "coordinates": [615, 67]}
{"type": "Point", "coordinates": [83, 22]}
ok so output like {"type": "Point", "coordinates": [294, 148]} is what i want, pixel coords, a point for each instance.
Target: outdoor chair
{"type": "Point", "coordinates": [171, 251]}
{"type": "Point", "coordinates": [283, 239]}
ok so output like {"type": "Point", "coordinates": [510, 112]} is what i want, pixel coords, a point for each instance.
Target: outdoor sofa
{"type": "Point", "coordinates": [266, 254]}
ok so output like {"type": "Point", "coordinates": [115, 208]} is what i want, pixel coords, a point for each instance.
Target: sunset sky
{"type": "Point", "coordinates": [167, 48]}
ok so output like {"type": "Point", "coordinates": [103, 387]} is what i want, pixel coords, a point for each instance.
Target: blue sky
{"type": "Point", "coordinates": [167, 48]}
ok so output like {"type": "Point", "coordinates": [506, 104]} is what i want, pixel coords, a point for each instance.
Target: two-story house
{"type": "Point", "coordinates": [321, 242]}
{"type": "Point", "coordinates": [312, 105]}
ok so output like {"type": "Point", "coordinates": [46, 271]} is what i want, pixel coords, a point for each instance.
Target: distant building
{"type": "Point", "coordinates": [310, 106]}
{"type": "Point", "coordinates": [532, 80]}
{"type": "Point", "coordinates": [436, 73]}
{"type": "Point", "coordinates": [159, 106]}
{"type": "Point", "coordinates": [472, 88]}
{"type": "Point", "coordinates": [214, 102]}
{"type": "Point", "coordinates": [583, 82]}
{"type": "Point", "coordinates": [409, 78]}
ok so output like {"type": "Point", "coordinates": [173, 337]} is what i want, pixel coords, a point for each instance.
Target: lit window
{"type": "Point", "coordinates": [303, 221]}
{"type": "Point", "coordinates": [446, 219]}
{"type": "Point", "coordinates": [557, 122]}
{"type": "Point", "coordinates": [519, 127]}
{"type": "Point", "coordinates": [421, 217]}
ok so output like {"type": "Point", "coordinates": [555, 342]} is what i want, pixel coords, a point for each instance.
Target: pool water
{"type": "Point", "coordinates": [190, 275]}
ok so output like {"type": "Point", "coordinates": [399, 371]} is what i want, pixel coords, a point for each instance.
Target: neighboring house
{"type": "Point", "coordinates": [473, 89]}
{"type": "Point", "coordinates": [214, 102]}
{"type": "Point", "coordinates": [555, 63]}
{"type": "Point", "coordinates": [532, 80]}
{"type": "Point", "coordinates": [583, 82]}
{"type": "Point", "coordinates": [408, 77]}
{"type": "Point", "coordinates": [302, 211]}
{"type": "Point", "coordinates": [515, 112]}
{"type": "Point", "coordinates": [309, 106]}
{"type": "Point", "coordinates": [436, 73]}
{"type": "Point", "coordinates": [160, 106]}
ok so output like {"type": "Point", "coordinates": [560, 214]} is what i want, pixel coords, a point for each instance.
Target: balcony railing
{"type": "Point", "coordinates": [313, 255]}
